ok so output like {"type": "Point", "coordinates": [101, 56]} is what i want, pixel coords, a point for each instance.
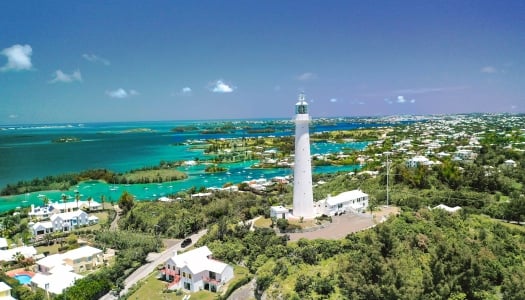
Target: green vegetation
{"type": "Point", "coordinates": [215, 169]}
{"type": "Point", "coordinates": [67, 139]}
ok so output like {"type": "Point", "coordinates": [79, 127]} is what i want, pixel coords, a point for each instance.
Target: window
{"type": "Point", "coordinates": [189, 275]}
{"type": "Point", "coordinates": [184, 274]}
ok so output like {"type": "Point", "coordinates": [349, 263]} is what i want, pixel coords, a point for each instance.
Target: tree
{"type": "Point", "coordinates": [126, 202]}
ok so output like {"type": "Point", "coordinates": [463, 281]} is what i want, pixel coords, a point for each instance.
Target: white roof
{"type": "Point", "coordinates": [448, 208]}
{"type": "Point", "coordinates": [345, 197]}
{"type": "Point", "coordinates": [46, 224]}
{"type": "Point", "coordinates": [57, 260]}
{"type": "Point", "coordinates": [81, 252]}
{"type": "Point", "coordinates": [68, 215]}
{"type": "Point", "coordinates": [4, 287]}
{"type": "Point", "coordinates": [26, 251]}
{"type": "Point", "coordinates": [3, 243]}
{"type": "Point", "coordinates": [57, 282]}
{"type": "Point", "coordinates": [279, 209]}
{"type": "Point", "coordinates": [51, 261]}
{"type": "Point", "coordinates": [197, 261]}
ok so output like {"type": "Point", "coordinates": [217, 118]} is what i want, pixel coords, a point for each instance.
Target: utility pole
{"type": "Point", "coordinates": [387, 177]}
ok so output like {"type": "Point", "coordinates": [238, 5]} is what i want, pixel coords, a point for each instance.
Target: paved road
{"type": "Point", "coordinates": [154, 260]}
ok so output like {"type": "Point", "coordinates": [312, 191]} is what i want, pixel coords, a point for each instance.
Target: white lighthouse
{"type": "Point", "coordinates": [303, 199]}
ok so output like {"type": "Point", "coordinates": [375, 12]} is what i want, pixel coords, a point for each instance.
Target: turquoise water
{"type": "Point", "coordinates": [23, 278]}
{"type": "Point", "coordinates": [27, 152]}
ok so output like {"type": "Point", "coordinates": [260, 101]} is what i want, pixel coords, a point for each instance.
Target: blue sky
{"type": "Point", "coordinates": [88, 61]}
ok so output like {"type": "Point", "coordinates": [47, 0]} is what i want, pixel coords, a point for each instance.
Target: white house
{"type": "Point", "coordinates": [196, 270]}
{"type": "Point", "coordinates": [78, 260]}
{"type": "Point", "coordinates": [10, 254]}
{"type": "Point", "coordinates": [416, 161]}
{"type": "Point", "coordinates": [349, 201]}
{"type": "Point", "coordinates": [5, 291]}
{"type": "Point", "coordinates": [56, 280]}
{"type": "Point", "coordinates": [279, 212]}
{"type": "Point", "coordinates": [69, 220]}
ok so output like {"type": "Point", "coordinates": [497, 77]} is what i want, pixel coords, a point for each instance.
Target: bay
{"type": "Point", "coordinates": [28, 151]}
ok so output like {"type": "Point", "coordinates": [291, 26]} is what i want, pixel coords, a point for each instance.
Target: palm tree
{"type": "Point", "coordinates": [89, 203]}
{"type": "Point", "coordinates": [102, 200]}
{"type": "Point", "coordinates": [64, 200]}
{"type": "Point", "coordinates": [77, 198]}
{"type": "Point", "coordinates": [46, 201]}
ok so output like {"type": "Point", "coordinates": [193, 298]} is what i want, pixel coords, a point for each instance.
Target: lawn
{"type": "Point", "coordinates": [263, 223]}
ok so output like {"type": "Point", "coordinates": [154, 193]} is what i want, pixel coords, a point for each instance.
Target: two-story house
{"type": "Point", "coordinates": [195, 270]}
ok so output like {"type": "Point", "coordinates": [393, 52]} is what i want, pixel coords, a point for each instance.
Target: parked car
{"type": "Point", "coordinates": [185, 243]}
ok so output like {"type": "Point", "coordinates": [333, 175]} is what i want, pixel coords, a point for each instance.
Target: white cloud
{"type": "Point", "coordinates": [402, 100]}
{"type": "Point", "coordinates": [186, 91]}
{"type": "Point", "coordinates": [489, 70]}
{"type": "Point", "coordinates": [63, 77]}
{"type": "Point", "coordinates": [13, 116]}
{"type": "Point", "coordinates": [18, 58]}
{"type": "Point", "coordinates": [96, 59]}
{"type": "Point", "coordinates": [121, 93]}
{"type": "Point", "coordinates": [306, 76]}
{"type": "Point", "coordinates": [333, 100]}
{"type": "Point", "coordinates": [220, 87]}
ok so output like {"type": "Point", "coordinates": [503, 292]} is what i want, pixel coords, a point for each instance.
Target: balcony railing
{"type": "Point", "coordinates": [211, 280]}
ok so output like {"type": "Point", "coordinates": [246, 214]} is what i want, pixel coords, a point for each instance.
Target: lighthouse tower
{"type": "Point", "coordinates": [303, 199]}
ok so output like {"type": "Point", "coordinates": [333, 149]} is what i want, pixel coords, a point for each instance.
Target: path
{"type": "Point", "coordinates": [154, 260]}
{"type": "Point", "coordinates": [114, 223]}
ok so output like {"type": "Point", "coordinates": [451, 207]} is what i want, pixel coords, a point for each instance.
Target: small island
{"type": "Point", "coordinates": [67, 139]}
{"type": "Point", "coordinates": [215, 169]}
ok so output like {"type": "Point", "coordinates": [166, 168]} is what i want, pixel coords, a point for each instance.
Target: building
{"type": "Point", "coordinates": [62, 222]}
{"type": "Point", "coordinates": [302, 180]}
{"type": "Point", "coordinates": [279, 212]}
{"type": "Point", "coordinates": [12, 254]}
{"type": "Point", "coordinates": [45, 212]}
{"type": "Point", "coordinates": [79, 260]}
{"type": "Point", "coordinates": [196, 270]}
{"type": "Point", "coordinates": [5, 291]}
{"type": "Point", "coordinates": [56, 280]}
{"type": "Point", "coordinates": [350, 201]}
{"type": "Point", "coordinates": [417, 161]}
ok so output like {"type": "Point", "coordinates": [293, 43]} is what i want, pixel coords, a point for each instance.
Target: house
{"type": "Point", "coordinates": [5, 291]}
{"type": "Point", "coordinates": [349, 201]}
{"type": "Point", "coordinates": [45, 212]}
{"type": "Point", "coordinates": [11, 254]}
{"type": "Point", "coordinates": [69, 220]}
{"type": "Point", "coordinates": [56, 280]}
{"type": "Point", "coordinates": [279, 212]}
{"type": "Point", "coordinates": [79, 260]}
{"type": "Point", "coordinates": [196, 270]}
{"type": "Point", "coordinates": [417, 161]}
{"type": "Point", "coordinates": [40, 228]}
